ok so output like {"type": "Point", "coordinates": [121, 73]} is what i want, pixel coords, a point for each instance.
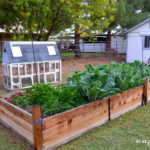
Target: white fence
{"type": "Point", "coordinates": [119, 47]}
{"type": "Point", "coordinates": [93, 47]}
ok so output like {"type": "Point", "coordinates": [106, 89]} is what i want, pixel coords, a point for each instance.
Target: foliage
{"type": "Point", "coordinates": [42, 18]}
{"type": "Point", "coordinates": [7, 14]}
{"type": "Point", "coordinates": [90, 18]}
{"type": "Point", "coordinates": [89, 15]}
{"type": "Point", "coordinates": [21, 98]}
{"type": "Point", "coordinates": [38, 18]}
{"type": "Point", "coordinates": [92, 84]}
{"type": "Point", "coordinates": [51, 99]}
{"type": "Point", "coordinates": [130, 13]}
{"type": "Point", "coordinates": [103, 80]}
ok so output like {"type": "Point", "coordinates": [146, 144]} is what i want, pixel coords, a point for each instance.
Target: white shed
{"type": "Point", "coordinates": [138, 42]}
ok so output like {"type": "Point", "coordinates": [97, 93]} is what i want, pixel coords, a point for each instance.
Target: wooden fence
{"type": "Point", "coordinates": [56, 130]}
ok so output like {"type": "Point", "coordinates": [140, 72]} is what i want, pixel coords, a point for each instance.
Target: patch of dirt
{"type": "Point", "coordinates": [78, 63]}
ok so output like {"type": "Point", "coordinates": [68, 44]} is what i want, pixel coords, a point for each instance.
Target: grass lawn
{"type": "Point", "coordinates": [11, 141]}
{"type": "Point", "coordinates": [119, 134]}
{"type": "Point", "coordinates": [70, 54]}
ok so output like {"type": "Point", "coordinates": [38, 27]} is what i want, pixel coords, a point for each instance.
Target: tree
{"type": "Point", "coordinates": [89, 18]}
{"type": "Point", "coordinates": [39, 18]}
{"type": "Point", "coordinates": [134, 13]}
{"type": "Point", "coordinates": [112, 16]}
{"type": "Point", "coordinates": [129, 13]}
{"type": "Point", "coordinates": [146, 6]}
{"type": "Point", "coordinates": [7, 14]}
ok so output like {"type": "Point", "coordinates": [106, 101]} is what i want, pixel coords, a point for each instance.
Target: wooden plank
{"type": "Point", "coordinates": [75, 132]}
{"type": "Point", "coordinates": [115, 115]}
{"type": "Point", "coordinates": [16, 119]}
{"type": "Point", "coordinates": [126, 100]}
{"type": "Point", "coordinates": [146, 88]}
{"type": "Point", "coordinates": [67, 125]}
{"type": "Point", "coordinates": [115, 103]}
{"type": "Point", "coordinates": [17, 128]}
{"type": "Point", "coordinates": [17, 111]}
{"type": "Point", "coordinates": [37, 127]}
{"type": "Point", "coordinates": [121, 108]}
{"type": "Point", "coordinates": [149, 90]}
{"type": "Point", "coordinates": [68, 115]}
{"type": "Point", "coordinates": [128, 95]}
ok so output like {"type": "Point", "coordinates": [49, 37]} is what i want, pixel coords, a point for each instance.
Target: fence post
{"type": "Point", "coordinates": [146, 87]}
{"type": "Point", "coordinates": [116, 46]}
{"type": "Point", "coordinates": [37, 127]}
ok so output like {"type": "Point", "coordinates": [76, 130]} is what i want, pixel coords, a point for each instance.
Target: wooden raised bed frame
{"type": "Point", "coordinates": [59, 129]}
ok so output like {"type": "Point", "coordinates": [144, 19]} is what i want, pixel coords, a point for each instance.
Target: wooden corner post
{"type": "Point", "coordinates": [146, 87]}
{"type": "Point", "coordinates": [37, 127]}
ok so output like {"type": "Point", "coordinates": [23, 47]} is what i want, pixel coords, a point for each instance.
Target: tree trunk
{"type": "Point", "coordinates": [1, 43]}
{"type": "Point", "coordinates": [108, 44]}
{"type": "Point", "coordinates": [77, 42]}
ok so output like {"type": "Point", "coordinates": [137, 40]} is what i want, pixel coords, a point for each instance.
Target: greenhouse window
{"type": "Point", "coordinates": [51, 50]}
{"type": "Point", "coordinates": [16, 51]}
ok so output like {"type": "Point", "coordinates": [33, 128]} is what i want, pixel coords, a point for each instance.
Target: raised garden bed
{"type": "Point", "coordinates": [56, 130]}
{"type": "Point", "coordinates": [89, 99]}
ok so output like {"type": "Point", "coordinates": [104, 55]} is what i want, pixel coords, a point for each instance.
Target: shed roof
{"type": "Point", "coordinates": [40, 52]}
{"type": "Point", "coordinates": [138, 25]}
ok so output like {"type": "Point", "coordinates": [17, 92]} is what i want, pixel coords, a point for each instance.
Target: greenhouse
{"type": "Point", "coordinates": [27, 63]}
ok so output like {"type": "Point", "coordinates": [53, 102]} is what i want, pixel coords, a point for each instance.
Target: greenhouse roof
{"type": "Point", "coordinates": [18, 52]}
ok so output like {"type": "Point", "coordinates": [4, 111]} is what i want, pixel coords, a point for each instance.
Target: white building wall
{"type": "Point", "coordinates": [135, 41]}
{"type": "Point", "coordinates": [118, 43]}
{"type": "Point", "coordinates": [134, 48]}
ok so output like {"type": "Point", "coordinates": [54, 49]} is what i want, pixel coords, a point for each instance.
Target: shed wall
{"type": "Point", "coordinates": [134, 49]}
{"type": "Point", "coordinates": [135, 41]}
{"type": "Point", "coordinates": [118, 43]}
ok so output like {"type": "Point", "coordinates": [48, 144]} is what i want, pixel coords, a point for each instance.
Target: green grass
{"type": "Point", "coordinates": [67, 54]}
{"type": "Point", "coordinates": [119, 134]}
{"type": "Point", "coordinates": [11, 141]}
{"type": "Point", "coordinates": [71, 54]}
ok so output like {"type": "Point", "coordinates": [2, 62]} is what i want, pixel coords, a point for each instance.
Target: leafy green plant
{"type": "Point", "coordinates": [21, 98]}
{"type": "Point", "coordinates": [52, 99]}
{"type": "Point", "coordinates": [104, 80]}
{"type": "Point", "coordinates": [83, 87]}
